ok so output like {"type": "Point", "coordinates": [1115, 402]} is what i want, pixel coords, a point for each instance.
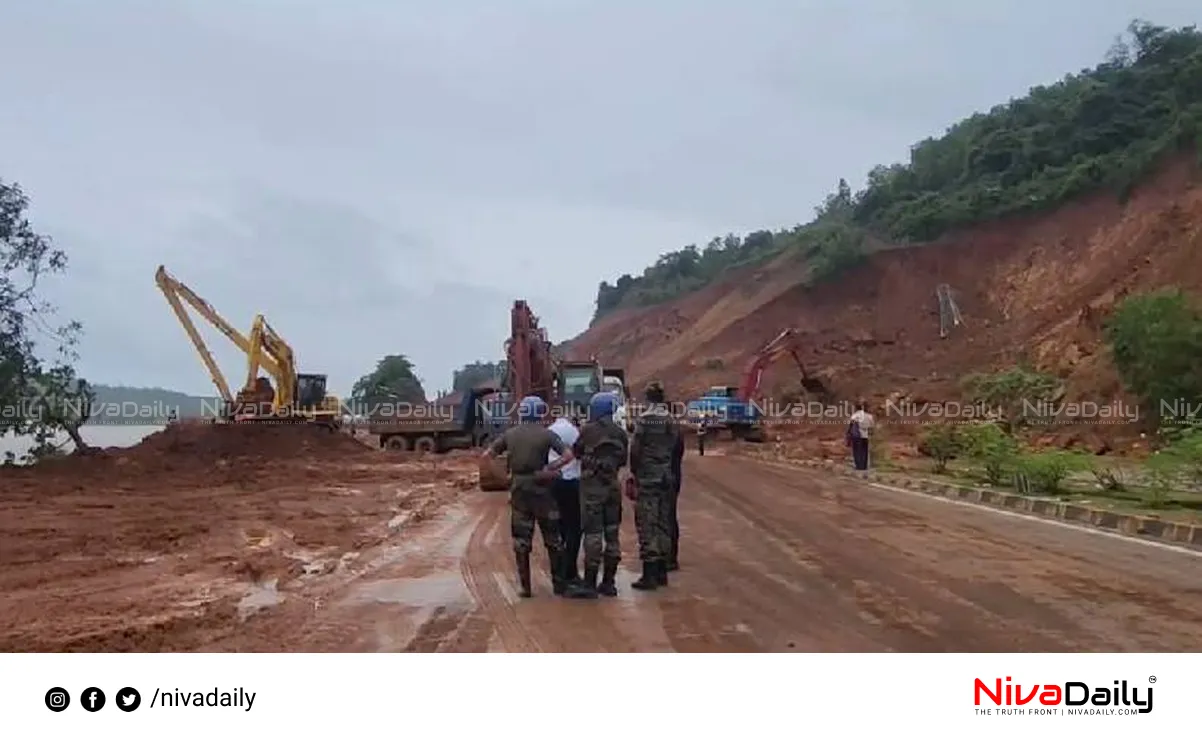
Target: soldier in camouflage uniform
{"type": "Point", "coordinates": [602, 450]}
{"type": "Point", "coordinates": [651, 454]}
{"type": "Point", "coordinates": [530, 500]}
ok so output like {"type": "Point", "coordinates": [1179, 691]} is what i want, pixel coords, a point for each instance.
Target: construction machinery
{"type": "Point", "coordinates": [434, 428]}
{"type": "Point", "coordinates": [529, 370]}
{"type": "Point", "coordinates": [736, 408]}
{"type": "Point", "coordinates": [293, 396]}
{"type": "Point", "coordinates": [532, 368]}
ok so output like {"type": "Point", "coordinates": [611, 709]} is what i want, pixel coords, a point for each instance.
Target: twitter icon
{"type": "Point", "coordinates": [128, 699]}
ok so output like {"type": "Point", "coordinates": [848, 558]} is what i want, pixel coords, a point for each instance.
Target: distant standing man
{"type": "Point", "coordinates": [859, 429]}
{"type": "Point", "coordinates": [566, 489]}
{"type": "Point", "coordinates": [702, 429]}
{"type": "Point", "coordinates": [530, 498]}
{"type": "Point", "coordinates": [654, 441]}
{"type": "Point", "coordinates": [602, 450]}
{"type": "Point", "coordinates": [670, 515]}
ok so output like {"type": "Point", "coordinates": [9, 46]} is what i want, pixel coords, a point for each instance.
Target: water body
{"type": "Point", "coordinates": [101, 436]}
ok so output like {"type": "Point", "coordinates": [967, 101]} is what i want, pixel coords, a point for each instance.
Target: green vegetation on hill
{"type": "Point", "coordinates": [147, 405]}
{"type": "Point", "coordinates": [477, 373]}
{"type": "Point", "coordinates": [393, 378]}
{"type": "Point", "coordinates": [1104, 127]}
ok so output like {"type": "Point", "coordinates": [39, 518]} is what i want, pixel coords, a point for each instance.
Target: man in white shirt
{"type": "Point", "coordinates": [566, 490]}
{"type": "Point", "coordinates": [859, 428]}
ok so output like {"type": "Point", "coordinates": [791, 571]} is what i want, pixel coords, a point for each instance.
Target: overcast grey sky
{"type": "Point", "coordinates": [387, 176]}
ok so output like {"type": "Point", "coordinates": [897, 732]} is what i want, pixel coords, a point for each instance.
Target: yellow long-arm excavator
{"type": "Point", "coordinates": [294, 395]}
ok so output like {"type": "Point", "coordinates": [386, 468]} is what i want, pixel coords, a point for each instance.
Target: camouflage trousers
{"type": "Point", "coordinates": [601, 505]}
{"type": "Point", "coordinates": [649, 511]}
{"type": "Point", "coordinates": [532, 503]}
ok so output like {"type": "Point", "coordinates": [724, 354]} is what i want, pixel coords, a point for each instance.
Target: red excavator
{"type": "Point", "coordinates": [532, 368]}
{"type": "Point", "coordinates": [529, 370]}
{"type": "Point", "coordinates": [738, 409]}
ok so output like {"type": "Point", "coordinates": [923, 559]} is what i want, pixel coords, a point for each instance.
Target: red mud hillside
{"type": "Point", "coordinates": [1035, 287]}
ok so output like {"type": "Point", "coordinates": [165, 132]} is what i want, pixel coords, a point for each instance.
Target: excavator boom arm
{"type": "Point", "coordinates": [265, 349]}
{"type": "Point", "coordinates": [279, 362]}
{"type": "Point", "coordinates": [781, 345]}
{"type": "Point", "coordinates": [177, 293]}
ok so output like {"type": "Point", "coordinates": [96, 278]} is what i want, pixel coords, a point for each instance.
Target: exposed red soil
{"type": "Point", "coordinates": [1036, 288]}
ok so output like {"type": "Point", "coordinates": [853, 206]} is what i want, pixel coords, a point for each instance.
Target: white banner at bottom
{"type": "Point", "coordinates": [135, 697]}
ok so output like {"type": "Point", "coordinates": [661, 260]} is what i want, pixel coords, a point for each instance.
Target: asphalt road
{"type": "Point", "coordinates": [779, 560]}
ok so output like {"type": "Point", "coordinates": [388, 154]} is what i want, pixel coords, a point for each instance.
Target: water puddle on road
{"type": "Point", "coordinates": [442, 589]}
{"type": "Point", "coordinates": [262, 596]}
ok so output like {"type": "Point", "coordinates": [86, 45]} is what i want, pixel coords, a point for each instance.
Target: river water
{"type": "Point", "coordinates": [101, 436]}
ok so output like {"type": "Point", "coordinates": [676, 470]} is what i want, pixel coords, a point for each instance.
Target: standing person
{"type": "Point", "coordinates": [566, 489]}
{"type": "Point", "coordinates": [859, 428]}
{"type": "Point", "coordinates": [655, 435]}
{"type": "Point", "coordinates": [671, 518]}
{"type": "Point", "coordinates": [702, 429]}
{"type": "Point", "coordinates": [530, 498]}
{"type": "Point", "coordinates": [602, 450]}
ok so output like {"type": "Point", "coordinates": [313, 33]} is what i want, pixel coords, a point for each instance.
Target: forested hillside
{"type": "Point", "coordinates": [1106, 127]}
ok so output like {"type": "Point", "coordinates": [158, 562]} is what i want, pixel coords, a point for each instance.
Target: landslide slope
{"type": "Point", "coordinates": [1038, 215]}
{"type": "Point", "coordinates": [1033, 288]}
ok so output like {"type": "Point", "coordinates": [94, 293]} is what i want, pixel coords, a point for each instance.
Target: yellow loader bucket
{"type": "Point", "coordinates": [494, 475]}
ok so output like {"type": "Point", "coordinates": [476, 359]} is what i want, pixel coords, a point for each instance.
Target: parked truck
{"type": "Point", "coordinates": [436, 428]}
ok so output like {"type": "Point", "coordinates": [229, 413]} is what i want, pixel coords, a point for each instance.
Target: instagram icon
{"type": "Point", "coordinates": [57, 699]}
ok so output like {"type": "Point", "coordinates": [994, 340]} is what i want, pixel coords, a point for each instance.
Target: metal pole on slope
{"type": "Point", "coordinates": [949, 313]}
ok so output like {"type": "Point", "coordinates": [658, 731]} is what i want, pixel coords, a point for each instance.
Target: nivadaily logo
{"type": "Point", "coordinates": [1070, 697]}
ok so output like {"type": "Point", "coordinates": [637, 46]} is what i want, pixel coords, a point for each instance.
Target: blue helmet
{"type": "Point", "coordinates": [602, 405]}
{"type": "Point", "coordinates": [531, 409]}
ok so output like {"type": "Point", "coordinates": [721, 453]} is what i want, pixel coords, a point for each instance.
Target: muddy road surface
{"type": "Point", "coordinates": [780, 560]}
{"type": "Point", "coordinates": [774, 559]}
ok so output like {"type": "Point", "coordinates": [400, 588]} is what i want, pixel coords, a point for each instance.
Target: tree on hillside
{"type": "Point", "coordinates": [392, 379]}
{"type": "Point", "coordinates": [1155, 340]}
{"type": "Point", "coordinates": [477, 373]}
{"type": "Point", "coordinates": [1015, 393]}
{"type": "Point", "coordinates": [1101, 128]}
{"type": "Point", "coordinates": [39, 397]}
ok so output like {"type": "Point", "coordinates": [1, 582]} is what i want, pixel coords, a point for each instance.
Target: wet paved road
{"type": "Point", "coordinates": [780, 560]}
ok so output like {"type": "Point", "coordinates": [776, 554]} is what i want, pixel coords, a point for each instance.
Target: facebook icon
{"type": "Point", "coordinates": [92, 699]}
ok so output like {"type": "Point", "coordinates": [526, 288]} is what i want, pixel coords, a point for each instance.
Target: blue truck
{"type": "Point", "coordinates": [720, 408]}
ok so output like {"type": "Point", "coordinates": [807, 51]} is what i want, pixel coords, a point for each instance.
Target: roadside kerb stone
{"type": "Point", "coordinates": [1145, 527]}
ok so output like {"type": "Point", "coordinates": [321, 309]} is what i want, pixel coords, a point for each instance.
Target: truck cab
{"type": "Point", "coordinates": [578, 382]}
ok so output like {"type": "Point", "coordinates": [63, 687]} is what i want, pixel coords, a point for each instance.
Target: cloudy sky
{"type": "Point", "coordinates": [381, 176]}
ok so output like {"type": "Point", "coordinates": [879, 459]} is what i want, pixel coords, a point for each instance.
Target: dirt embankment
{"type": "Point", "coordinates": [167, 544]}
{"type": "Point", "coordinates": [1035, 287]}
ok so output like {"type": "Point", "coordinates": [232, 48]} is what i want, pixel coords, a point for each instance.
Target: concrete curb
{"type": "Point", "coordinates": [1151, 528]}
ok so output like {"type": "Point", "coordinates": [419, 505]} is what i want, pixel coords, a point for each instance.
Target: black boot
{"type": "Point", "coordinates": [555, 563]}
{"type": "Point", "coordinates": [661, 573]}
{"type": "Point", "coordinates": [673, 563]}
{"type": "Point", "coordinates": [648, 581]}
{"type": "Point", "coordinates": [608, 587]}
{"type": "Point", "coordinates": [571, 573]}
{"type": "Point", "coordinates": [523, 559]}
{"type": "Point", "coordinates": [586, 588]}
